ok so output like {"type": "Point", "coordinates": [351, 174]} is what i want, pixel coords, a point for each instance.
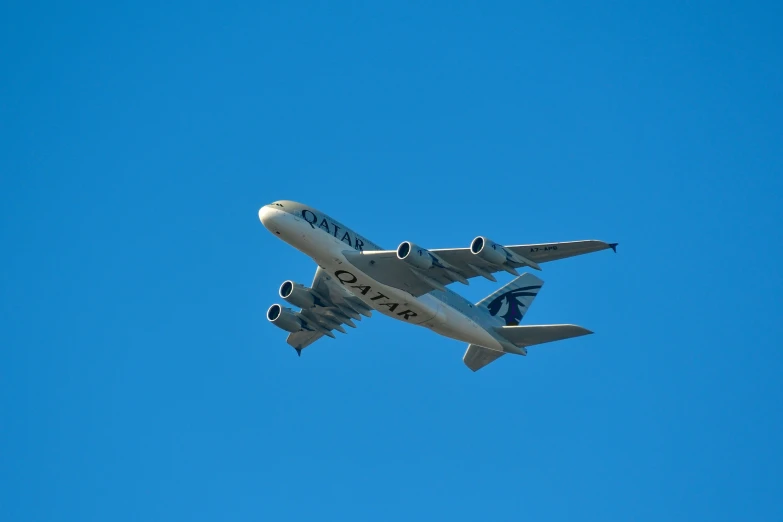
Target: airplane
{"type": "Point", "coordinates": [356, 277]}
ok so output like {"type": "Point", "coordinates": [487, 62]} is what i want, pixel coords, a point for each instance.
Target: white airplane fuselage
{"type": "Point", "coordinates": [324, 240]}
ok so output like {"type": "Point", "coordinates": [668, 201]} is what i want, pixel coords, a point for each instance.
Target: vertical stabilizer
{"type": "Point", "coordinates": [511, 302]}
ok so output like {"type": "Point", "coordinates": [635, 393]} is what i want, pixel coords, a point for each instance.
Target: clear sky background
{"type": "Point", "coordinates": [140, 380]}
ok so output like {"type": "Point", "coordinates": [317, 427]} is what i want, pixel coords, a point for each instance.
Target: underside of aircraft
{"type": "Point", "coordinates": [356, 277]}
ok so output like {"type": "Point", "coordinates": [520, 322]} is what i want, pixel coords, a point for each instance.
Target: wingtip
{"type": "Point", "coordinates": [581, 330]}
{"type": "Point", "coordinates": [613, 246]}
{"type": "Point", "coordinates": [298, 351]}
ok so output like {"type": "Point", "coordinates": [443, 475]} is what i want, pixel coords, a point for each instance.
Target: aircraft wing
{"type": "Point", "coordinates": [336, 307]}
{"type": "Point", "coordinates": [460, 264]}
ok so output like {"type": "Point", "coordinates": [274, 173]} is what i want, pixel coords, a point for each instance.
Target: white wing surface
{"type": "Point", "coordinates": [461, 264]}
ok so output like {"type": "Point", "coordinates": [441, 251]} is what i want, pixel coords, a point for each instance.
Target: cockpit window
{"type": "Point", "coordinates": [278, 205]}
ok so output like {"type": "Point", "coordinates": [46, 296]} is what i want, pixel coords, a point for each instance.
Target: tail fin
{"type": "Point", "coordinates": [512, 300]}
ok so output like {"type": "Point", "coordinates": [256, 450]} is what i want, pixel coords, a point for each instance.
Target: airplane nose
{"type": "Point", "coordinates": [265, 214]}
{"type": "Point", "coordinates": [271, 218]}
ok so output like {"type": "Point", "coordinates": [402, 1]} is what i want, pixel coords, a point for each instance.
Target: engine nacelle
{"type": "Point", "coordinates": [284, 318]}
{"type": "Point", "coordinates": [489, 251]}
{"type": "Point", "coordinates": [297, 295]}
{"type": "Point", "coordinates": [414, 255]}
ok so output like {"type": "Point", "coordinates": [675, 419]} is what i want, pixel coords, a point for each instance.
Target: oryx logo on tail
{"type": "Point", "coordinates": [513, 312]}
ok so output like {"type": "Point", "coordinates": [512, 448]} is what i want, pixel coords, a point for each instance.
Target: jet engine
{"type": "Point", "coordinates": [414, 255]}
{"type": "Point", "coordinates": [489, 251]}
{"type": "Point", "coordinates": [284, 318]}
{"type": "Point", "coordinates": [499, 255]}
{"type": "Point", "coordinates": [296, 294]}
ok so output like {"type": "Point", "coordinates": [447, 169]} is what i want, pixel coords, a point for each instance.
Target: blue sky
{"type": "Point", "coordinates": [139, 379]}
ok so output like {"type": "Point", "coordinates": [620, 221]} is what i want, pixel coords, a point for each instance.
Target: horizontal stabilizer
{"type": "Point", "coordinates": [541, 333]}
{"type": "Point", "coordinates": [476, 357]}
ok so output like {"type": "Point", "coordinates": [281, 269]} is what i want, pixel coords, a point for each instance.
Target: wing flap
{"type": "Point", "coordinates": [303, 339]}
